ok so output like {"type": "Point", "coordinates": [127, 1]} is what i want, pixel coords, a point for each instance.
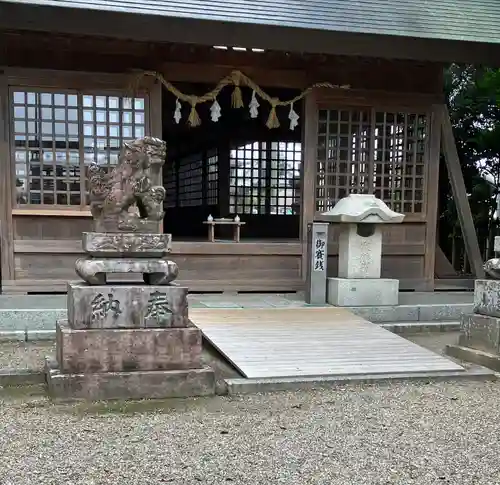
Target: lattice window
{"type": "Point", "coordinates": [399, 160]}
{"type": "Point", "coordinates": [371, 151]}
{"type": "Point", "coordinates": [212, 164]}
{"type": "Point", "coordinates": [247, 180]}
{"type": "Point", "coordinates": [56, 134]}
{"type": "Point", "coordinates": [170, 184]}
{"type": "Point", "coordinates": [107, 121]}
{"type": "Point", "coordinates": [285, 161]}
{"type": "Point", "coordinates": [264, 178]}
{"type": "Point", "coordinates": [190, 173]}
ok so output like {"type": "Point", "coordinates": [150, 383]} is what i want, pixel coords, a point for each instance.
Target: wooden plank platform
{"type": "Point", "coordinates": [294, 342]}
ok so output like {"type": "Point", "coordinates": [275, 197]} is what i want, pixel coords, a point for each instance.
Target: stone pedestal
{"type": "Point", "coordinates": [362, 292]}
{"type": "Point", "coordinates": [126, 306]}
{"type": "Point", "coordinates": [480, 331]}
{"type": "Point", "coordinates": [360, 253]}
{"type": "Point", "coordinates": [127, 340]}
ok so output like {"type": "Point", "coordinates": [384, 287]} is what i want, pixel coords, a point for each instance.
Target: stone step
{"type": "Point", "coordinates": [44, 319]}
{"type": "Point", "coordinates": [400, 328]}
{"type": "Point", "coordinates": [434, 312]}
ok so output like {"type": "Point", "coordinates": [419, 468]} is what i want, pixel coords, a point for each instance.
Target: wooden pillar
{"type": "Point", "coordinates": [6, 185]}
{"type": "Point", "coordinates": [460, 195]}
{"type": "Point", "coordinates": [432, 198]}
{"type": "Point", "coordinates": [309, 168]}
{"type": "Point", "coordinates": [155, 120]}
{"type": "Point", "coordinates": [224, 172]}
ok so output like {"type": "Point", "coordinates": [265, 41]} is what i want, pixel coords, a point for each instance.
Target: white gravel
{"type": "Point", "coordinates": [394, 434]}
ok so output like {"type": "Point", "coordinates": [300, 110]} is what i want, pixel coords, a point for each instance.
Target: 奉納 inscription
{"type": "Point", "coordinates": [102, 307]}
{"type": "Point", "coordinates": [158, 309]}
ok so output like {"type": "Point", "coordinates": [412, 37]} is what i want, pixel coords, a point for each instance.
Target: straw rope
{"type": "Point", "coordinates": [236, 79]}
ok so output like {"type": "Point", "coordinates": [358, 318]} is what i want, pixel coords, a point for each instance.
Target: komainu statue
{"type": "Point", "coordinates": [130, 197]}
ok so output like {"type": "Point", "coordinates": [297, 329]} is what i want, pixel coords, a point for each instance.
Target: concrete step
{"type": "Point", "coordinates": [30, 319]}
{"type": "Point", "coordinates": [400, 328]}
{"type": "Point", "coordinates": [404, 328]}
{"type": "Point", "coordinates": [247, 386]}
{"type": "Point", "coordinates": [434, 312]}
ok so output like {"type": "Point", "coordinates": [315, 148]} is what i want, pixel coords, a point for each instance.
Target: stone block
{"type": "Point", "coordinates": [360, 255]}
{"type": "Point", "coordinates": [118, 350]}
{"type": "Point", "coordinates": [154, 271]}
{"type": "Point", "coordinates": [481, 332]}
{"type": "Point", "coordinates": [496, 244]}
{"type": "Point", "coordinates": [126, 244]}
{"type": "Point", "coordinates": [362, 292]}
{"type": "Point", "coordinates": [487, 297]}
{"type": "Point", "coordinates": [129, 385]}
{"type": "Point", "coordinates": [126, 306]}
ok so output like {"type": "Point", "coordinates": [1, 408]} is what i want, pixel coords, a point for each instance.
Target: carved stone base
{"type": "Point", "coordinates": [127, 349]}
{"type": "Point", "coordinates": [126, 223]}
{"type": "Point", "coordinates": [127, 306]}
{"type": "Point", "coordinates": [129, 385]}
{"type": "Point", "coordinates": [155, 271]}
{"type": "Point", "coordinates": [126, 244]}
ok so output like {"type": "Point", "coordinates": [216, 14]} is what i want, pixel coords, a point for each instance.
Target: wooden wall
{"type": "Point", "coordinates": [39, 249]}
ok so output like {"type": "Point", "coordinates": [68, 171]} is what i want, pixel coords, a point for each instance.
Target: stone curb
{"type": "Point", "coordinates": [38, 335]}
{"type": "Point", "coordinates": [411, 328]}
{"type": "Point", "coordinates": [250, 386]}
{"type": "Point", "coordinates": [16, 377]}
{"type": "Point", "coordinates": [401, 328]}
{"type": "Point", "coordinates": [13, 336]}
{"type": "Point", "coordinates": [27, 335]}
{"type": "Point", "coordinates": [478, 357]}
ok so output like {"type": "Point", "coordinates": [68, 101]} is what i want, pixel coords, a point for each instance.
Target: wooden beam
{"type": "Point", "coordinates": [432, 196]}
{"type": "Point", "coordinates": [460, 194]}
{"type": "Point", "coordinates": [6, 183]}
{"type": "Point", "coordinates": [310, 141]}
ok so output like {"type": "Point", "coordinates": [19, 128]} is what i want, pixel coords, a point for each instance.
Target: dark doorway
{"type": "Point", "coordinates": [235, 166]}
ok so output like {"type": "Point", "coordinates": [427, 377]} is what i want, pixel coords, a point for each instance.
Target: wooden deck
{"type": "Point", "coordinates": [311, 342]}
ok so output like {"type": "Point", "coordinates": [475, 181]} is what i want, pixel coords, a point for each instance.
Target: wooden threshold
{"type": "Point", "coordinates": [51, 212]}
{"type": "Point", "coordinates": [11, 287]}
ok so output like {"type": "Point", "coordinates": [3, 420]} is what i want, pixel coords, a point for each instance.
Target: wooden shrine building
{"type": "Point", "coordinates": [73, 87]}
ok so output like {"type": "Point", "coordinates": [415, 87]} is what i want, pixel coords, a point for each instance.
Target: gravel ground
{"type": "Point", "coordinates": [401, 433]}
{"type": "Point", "coordinates": [394, 434]}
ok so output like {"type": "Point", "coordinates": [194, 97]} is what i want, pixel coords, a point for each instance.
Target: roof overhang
{"type": "Point", "coordinates": [155, 28]}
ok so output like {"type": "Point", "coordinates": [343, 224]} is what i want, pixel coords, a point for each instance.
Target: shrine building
{"type": "Point", "coordinates": [272, 111]}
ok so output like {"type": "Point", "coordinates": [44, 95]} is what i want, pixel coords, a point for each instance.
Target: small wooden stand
{"type": "Point", "coordinates": [222, 222]}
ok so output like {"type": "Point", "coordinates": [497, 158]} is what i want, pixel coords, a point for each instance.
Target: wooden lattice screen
{"type": "Point", "coordinates": [57, 134]}
{"type": "Point", "coordinates": [370, 151]}
{"type": "Point", "coordinates": [192, 181]}
{"type": "Point", "coordinates": [264, 178]}
{"type": "Point", "coordinates": [212, 177]}
{"type": "Point", "coordinates": [190, 176]}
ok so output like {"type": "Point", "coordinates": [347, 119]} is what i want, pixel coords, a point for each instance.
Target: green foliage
{"type": "Point", "coordinates": [473, 95]}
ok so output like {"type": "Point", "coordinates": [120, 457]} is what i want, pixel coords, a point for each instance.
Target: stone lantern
{"type": "Point", "coordinates": [360, 252]}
